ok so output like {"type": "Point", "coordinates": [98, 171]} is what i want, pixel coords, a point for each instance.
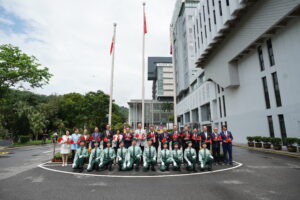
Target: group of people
{"type": "Point", "coordinates": [130, 149]}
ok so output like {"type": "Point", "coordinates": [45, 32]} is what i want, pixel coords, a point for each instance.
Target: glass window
{"type": "Point", "coordinates": [227, 2]}
{"type": "Point", "coordinates": [282, 126]}
{"type": "Point", "coordinates": [209, 25]}
{"type": "Point", "coordinates": [224, 106]}
{"type": "Point", "coordinates": [271, 127]}
{"type": "Point", "coordinates": [270, 51]}
{"type": "Point", "coordinates": [215, 20]}
{"type": "Point", "coordinates": [220, 107]}
{"type": "Point", "coordinates": [220, 8]}
{"type": "Point", "coordinates": [261, 58]}
{"type": "Point", "coordinates": [207, 7]}
{"type": "Point", "coordinates": [203, 14]}
{"type": "Point", "coordinates": [276, 89]}
{"type": "Point", "coordinates": [266, 92]}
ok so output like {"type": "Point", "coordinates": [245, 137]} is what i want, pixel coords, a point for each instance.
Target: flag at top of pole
{"type": "Point", "coordinates": [145, 23]}
{"type": "Point", "coordinates": [112, 45]}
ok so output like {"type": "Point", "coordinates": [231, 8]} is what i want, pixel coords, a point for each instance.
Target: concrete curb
{"type": "Point", "coordinates": [268, 151]}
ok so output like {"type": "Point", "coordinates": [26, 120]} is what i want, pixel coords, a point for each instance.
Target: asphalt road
{"type": "Point", "coordinates": [262, 176]}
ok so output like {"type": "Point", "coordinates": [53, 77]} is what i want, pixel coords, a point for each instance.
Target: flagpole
{"type": "Point", "coordinates": [174, 76]}
{"type": "Point", "coordinates": [143, 72]}
{"type": "Point", "coordinates": [112, 74]}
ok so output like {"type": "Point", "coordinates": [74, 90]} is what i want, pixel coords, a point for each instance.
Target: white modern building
{"type": "Point", "coordinates": [248, 51]}
{"type": "Point", "coordinates": [160, 71]}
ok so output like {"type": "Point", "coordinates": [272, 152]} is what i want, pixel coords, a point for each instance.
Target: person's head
{"type": "Point", "coordinates": [204, 145]}
{"type": "Point", "coordinates": [127, 130]}
{"type": "Point", "coordinates": [76, 130]}
{"type": "Point", "coordinates": [176, 146]}
{"type": "Point", "coordinates": [175, 127]}
{"type": "Point", "coordinates": [139, 125]}
{"type": "Point", "coordinates": [85, 131]}
{"type": "Point", "coordinates": [204, 128]}
{"type": "Point", "coordinates": [165, 145]}
{"type": "Point", "coordinates": [67, 132]}
{"type": "Point", "coordinates": [149, 141]}
{"type": "Point", "coordinates": [134, 141]}
{"type": "Point", "coordinates": [96, 144]}
{"type": "Point", "coordinates": [224, 128]}
{"type": "Point", "coordinates": [190, 144]}
{"type": "Point", "coordinates": [82, 143]}
{"type": "Point", "coordinates": [108, 127]}
{"type": "Point", "coordinates": [195, 130]}
{"type": "Point", "coordinates": [96, 130]}
{"type": "Point", "coordinates": [186, 128]}
{"type": "Point", "coordinates": [165, 129]}
{"type": "Point", "coordinates": [118, 132]}
{"type": "Point", "coordinates": [108, 143]}
{"type": "Point", "coordinates": [121, 143]}
{"type": "Point", "coordinates": [215, 130]}
{"type": "Point", "coordinates": [151, 128]}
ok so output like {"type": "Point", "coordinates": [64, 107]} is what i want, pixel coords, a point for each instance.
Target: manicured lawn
{"type": "Point", "coordinates": [35, 142]}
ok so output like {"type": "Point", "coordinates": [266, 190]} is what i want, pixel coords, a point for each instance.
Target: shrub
{"type": "Point", "coordinates": [266, 140]}
{"type": "Point", "coordinates": [298, 142]}
{"type": "Point", "coordinates": [24, 139]}
{"type": "Point", "coordinates": [290, 141]}
{"type": "Point", "coordinates": [276, 141]}
{"type": "Point", "coordinates": [257, 138]}
{"type": "Point", "coordinates": [250, 139]}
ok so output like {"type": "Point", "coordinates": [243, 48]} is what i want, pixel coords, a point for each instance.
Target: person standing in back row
{"type": "Point", "coordinates": [216, 141]}
{"type": "Point", "coordinates": [107, 135]}
{"type": "Point", "coordinates": [227, 145]}
{"type": "Point", "coordinates": [140, 134]}
{"type": "Point", "coordinates": [205, 137]}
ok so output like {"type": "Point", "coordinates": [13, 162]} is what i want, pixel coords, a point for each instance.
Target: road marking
{"type": "Point", "coordinates": [47, 151]}
{"type": "Point", "coordinates": [126, 176]}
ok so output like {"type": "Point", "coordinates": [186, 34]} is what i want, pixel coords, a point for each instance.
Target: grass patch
{"type": "Point", "coordinates": [34, 142]}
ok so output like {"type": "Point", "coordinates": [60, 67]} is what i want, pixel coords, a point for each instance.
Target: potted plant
{"type": "Point", "coordinates": [57, 158]}
{"type": "Point", "coordinates": [257, 140]}
{"type": "Point", "coordinates": [250, 141]}
{"type": "Point", "coordinates": [277, 143]}
{"type": "Point", "coordinates": [290, 144]}
{"type": "Point", "coordinates": [266, 142]}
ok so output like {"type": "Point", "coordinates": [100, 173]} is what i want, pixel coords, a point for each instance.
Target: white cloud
{"type": "Point", "coordinates": [6, 21]}
{"type": "Point", "coordinates": [76, 36]}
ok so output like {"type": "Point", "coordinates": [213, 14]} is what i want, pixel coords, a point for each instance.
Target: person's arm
{"type": "Point", "coordinates": [113, 155]}
{"type": "Point", "coordinates": [194, 154]}
{"type": "Point", "coordinates": [154, 158]}
{"type": "Point", "coordinates": [200, 156]}
{"type": "Point", "coordinates": [185, 157]}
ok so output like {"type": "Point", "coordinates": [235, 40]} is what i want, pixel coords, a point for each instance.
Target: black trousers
{"type": "Point", "coordinates": [216, 151]}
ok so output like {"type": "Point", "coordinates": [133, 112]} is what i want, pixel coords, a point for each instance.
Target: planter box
{"type": "Point", "coordinates": [292, 149]}
{"type": "Point", "coordinates": [258, 145]}
{"type": "Point", "coordinates": [277, 147]}
{"type": "Point", "coordinates": [251, 144]}
{"type": "Point", "coordinates": [267, 146]}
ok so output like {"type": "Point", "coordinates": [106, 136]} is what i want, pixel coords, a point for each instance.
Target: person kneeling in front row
{"type": "Point", "coordinates": [80, 155]}
{"type": "Point", "coordinates": [134, 154]}
{"type": "Point", "coordinates": [121, 156]}
{"type": "Point", "coordinates": [107, 157]}
{"type": "Point", "coordinates": [94, 157]}
{"type": "Point", "coordinates": [177, 157]}
{"type": "Point", "coordinates": [205, 158]}
{"type": "Point", "coordinates": [190, 157]}
{"type": "Point", "coordinates": [165, 158]}
{"type": "Point", "coordinates": [149, 156]}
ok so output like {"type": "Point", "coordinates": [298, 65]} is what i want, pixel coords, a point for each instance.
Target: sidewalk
{"type": "Point", "coordinates": [279, 152]}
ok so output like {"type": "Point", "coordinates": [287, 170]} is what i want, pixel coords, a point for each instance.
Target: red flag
{"type": "Point", "coordinates": [112, 45]}
{"type": "Point", "coordinates": [145, 24]}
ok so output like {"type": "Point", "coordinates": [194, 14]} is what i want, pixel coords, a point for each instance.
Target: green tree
{"type": "Point", "coordinates": [17, 68]}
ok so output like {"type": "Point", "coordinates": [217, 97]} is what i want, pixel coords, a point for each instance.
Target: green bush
{"type": "Point", "coordinates": [298, 142]}
{"type": "Point", "coordinates": [266, 140]}
{"type": "Point", "coordinates": [257, 138]}
{"type": "Point", "coordinates": [276, 141]}
{"type": "Point", "coordinates": [24, 139]}
{"type": "Point", "coordinates": [250, 138]}
{"type": "Point", "coordinates": [290, 141]}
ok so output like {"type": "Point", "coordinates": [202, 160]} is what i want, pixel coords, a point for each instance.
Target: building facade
{"type": "Point", "coordinates": [248, 53]}
{"type": "Point", "coordinates": [157, 113]}
{"type": "Point", "coordinates": [160, 71]}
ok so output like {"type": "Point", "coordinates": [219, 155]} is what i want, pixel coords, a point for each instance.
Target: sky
{"type": "Point", "coordinates": [72, 38]}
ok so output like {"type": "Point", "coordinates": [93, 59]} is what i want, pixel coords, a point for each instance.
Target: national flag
{"type": "Point", "coordinates": [145, 24]}
{"type": "Point", "coordinates": [112, 45]}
